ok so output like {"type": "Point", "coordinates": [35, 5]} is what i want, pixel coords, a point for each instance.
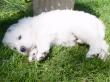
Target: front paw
{"type": "Point", "coordinates": [89, 56]}
{"type": "Point", "coordinates": [41, 56]}
{"type": "Point", "coordinates": [32, 55]}
{"type": "Point", "coordinates": [35, 56]}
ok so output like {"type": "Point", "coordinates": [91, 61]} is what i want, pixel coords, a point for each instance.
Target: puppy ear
{"type": "Point", "coordinates": [9, 30]}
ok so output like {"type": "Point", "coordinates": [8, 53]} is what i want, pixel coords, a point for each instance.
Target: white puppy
{"type": "Point", "coordinates": [35, 35]}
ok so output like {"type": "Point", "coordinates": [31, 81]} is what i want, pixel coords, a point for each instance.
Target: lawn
{"type": "Point", "coordinates": [63, 64]}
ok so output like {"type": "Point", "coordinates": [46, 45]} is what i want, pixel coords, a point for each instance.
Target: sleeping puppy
{"type": "Point", "coordinates": [35, 35]}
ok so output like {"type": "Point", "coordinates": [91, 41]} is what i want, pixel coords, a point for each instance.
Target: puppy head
{"type": "Point", "coordinates": [19, 37]}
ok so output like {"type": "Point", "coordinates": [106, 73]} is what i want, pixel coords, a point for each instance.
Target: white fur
{"type": "Point", "coordinates": [58, 27]}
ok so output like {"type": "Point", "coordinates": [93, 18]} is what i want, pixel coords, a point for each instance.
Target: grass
{"type": "Point", "coordinates": [63, 64]}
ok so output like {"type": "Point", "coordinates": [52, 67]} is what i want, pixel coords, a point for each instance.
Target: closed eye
{"type": "Point", "coordinates": [19, 37]}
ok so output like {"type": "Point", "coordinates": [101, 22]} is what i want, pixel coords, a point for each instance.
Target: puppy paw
{"type": "Point", "coordinates": [35, 56]}
{"type": "Point", "coordinates": [80, 41]}
{"type": "Point", "coordinates": [103, 55]}
{"type": "Point", "coordinates": [89, 56]}
{"type": "Point", "coordinates": [32, 55]}
{"type": "Point", "coordinates": [41, 56]}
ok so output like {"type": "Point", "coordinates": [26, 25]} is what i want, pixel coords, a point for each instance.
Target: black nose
{"type": "Point", "coordinates": [22, 49]}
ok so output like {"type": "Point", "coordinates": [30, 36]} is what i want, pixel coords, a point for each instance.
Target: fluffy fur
{"type": "Point", "coordinates": [58, 27]}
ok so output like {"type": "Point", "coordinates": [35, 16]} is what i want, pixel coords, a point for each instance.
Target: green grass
{"type": "Point", "coordinates": [63, 64]}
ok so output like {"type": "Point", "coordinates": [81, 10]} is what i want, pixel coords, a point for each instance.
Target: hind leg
{"type": "Point", "coordinates": [91, 53]}
{"type": "Point", "coordinates": [104, 50]}
{"type": "Point", "coordinates": [99, 48]}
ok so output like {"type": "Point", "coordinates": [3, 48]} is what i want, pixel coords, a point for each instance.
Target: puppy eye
{"type": "Point", "coordinates": [19, 38]}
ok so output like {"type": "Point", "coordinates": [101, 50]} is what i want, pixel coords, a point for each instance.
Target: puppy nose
{"type": "Point", "coordinates": [22, 49]}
